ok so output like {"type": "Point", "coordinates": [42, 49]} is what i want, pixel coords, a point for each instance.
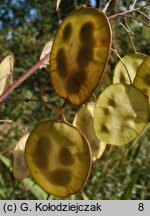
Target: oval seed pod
{"type": "Point", "coordinates": [121, 113]}
{"type": "Point", "coordinates": [20, 170]}
{"type": "Point", "coordinates": [79, 54]}
{"type": "Point", "coordinates": [6, 68]}
{"type": "Point", "coordinates": [84, 121]}
{"type": "Point", "coordinates": [58, 157]}
{"type": "Point", "coordinates": [142, 79]}
{"type": "Point", "coordinates": [132, 63]}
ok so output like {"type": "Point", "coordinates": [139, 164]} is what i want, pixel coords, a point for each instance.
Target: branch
{"type": "Point", "coordinates": [139, 20]}
{"type": "Point", "coordinates": [23, 77]}
{"type": "Point", "coordinates": [134, 3]}
{"type": "Point", "coordinates": [130, 33]}
{"type": "Point", "coordinates": [8, 121]}
{"type": "Point", "coordinates": [128, 11]}
{"type": "Point", "coordinates": [50, 104]}
{"type": "Point", "coordinates": [123, 13]}
{"type": "Point", "coordinates": [106, 6]}
{"type": "Point", "coordinates": [141, 12]}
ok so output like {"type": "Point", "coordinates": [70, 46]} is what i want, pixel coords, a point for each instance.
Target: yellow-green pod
{"type": "Point", "coordinates": [120, 115]}
{"type": "Point", "coordinates": [80, 53]}
{"type": "Point", "coordinates": [58, 157]}
{"type": "Point", "coordinates": [84, 121]}
{"type": "Point", "coordinates": [142, 79]}
{"type": "Point", "coordinates": [129, 64]}
{"type": "Point", "coordinates": [20, 170]}
{"type": "Point", "coordinates": [6, 68]}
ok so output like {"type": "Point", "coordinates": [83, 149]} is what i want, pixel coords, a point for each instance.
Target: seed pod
{"type": "Point", "coordinates": [121, 113]}
{"type": "Point", "coordinates": [142, 79]}
{"type": "Point", "coordinates": [58, 157]}
{"type": "Point", "coordinates": [20, 170]}
{"type": "Point", "coordinates": [6, 68]}
{"type": "Point", "coordinates": [79, 54]}
{"type": "Point", "coordinates": [84, 120]}
{"type": "Point", "coordinates": [131, 63]}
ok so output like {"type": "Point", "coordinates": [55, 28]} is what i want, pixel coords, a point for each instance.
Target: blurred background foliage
{"type": "Point", "coordinates": [25, 27]}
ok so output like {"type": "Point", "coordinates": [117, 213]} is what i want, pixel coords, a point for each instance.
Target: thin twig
{"type": "Point", "coordinates": [126, 29]}
{"type": "Point", "coordinates": [64, 104]}
{"type": "Point", "coordinates": [8, 121]}
{"type": "Point", "coordinates": [147, 4]}
{"type": "Point", "coordinates": [134, 3]}
{"type": "Point", "coordinates": [123, 64]}
{"type": "Point", "coordinates": [122, 13]}
{"type": "Point", "coordinates": [130, 33]}
{"type": "Point", "coordinates": [106, 6]}
{"type": "Point", "coordinates": [16, 83]}
{"type": "Point", "coordinates": [139, 20]}
{"type": "Point", "coordinates": [48, 196]}
{"type": "Point", "coordinates": [26, 100]}
{"type": "Point", "coordinates": [141, 12]}
{"type": "Point", "coordinates": [61, 114]}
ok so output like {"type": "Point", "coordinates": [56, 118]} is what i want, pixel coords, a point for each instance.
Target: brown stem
{"type": "Point", "coordinates": [26, 100]}
{"type": "Point", "coordinates": [23, 77]}
{"type": "Point", "coordinates": [48, 196]}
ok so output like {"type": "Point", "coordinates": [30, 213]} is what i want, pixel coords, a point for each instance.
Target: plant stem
{"type": "Point", "coordinates": [16, 83]}
{"type": "Point", "coordinates": [48, 196]}
{"type": "Point", "coordinates": [141, 12]}
{"type": "Point", "coordinates": [8, 121]}
{"type": "Point", "coordinates": [122, 13]}
{"type": "Point", "coordinates": [139, 20]}
{"type": "Point", "coordinates": [130, 33]}
{"type": "Point", "coordinates": [106, 6]}
{"type": "Point", "coordinates": [134, 3]}
{"type": "Point", "coordinates": [123, 64]}
{"type": "Point", "coordinates": [26, 100]}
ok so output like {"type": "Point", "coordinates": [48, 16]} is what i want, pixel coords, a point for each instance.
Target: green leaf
{"type": "Point", "coordinates": [129, 189]}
